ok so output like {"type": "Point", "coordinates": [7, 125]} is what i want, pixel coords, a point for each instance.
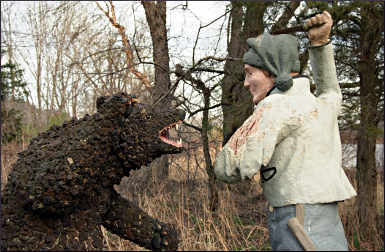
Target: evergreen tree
{"type": "Point", "coordinates": [12, 88]}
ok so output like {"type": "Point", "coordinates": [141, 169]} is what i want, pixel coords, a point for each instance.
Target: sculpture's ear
{"type": "Point", "coordinates": [99, 102]}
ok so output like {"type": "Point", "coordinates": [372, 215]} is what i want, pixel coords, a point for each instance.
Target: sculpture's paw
{"type": "Point", "coordinates": [166, 237]}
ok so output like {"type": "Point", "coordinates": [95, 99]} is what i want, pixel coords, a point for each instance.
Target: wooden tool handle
{"type": "Point", "coordinates": [300, 234]}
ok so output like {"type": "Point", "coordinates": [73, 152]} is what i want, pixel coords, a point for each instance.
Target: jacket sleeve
{"type": "Point", "coordinates": [325, 77]}
{"type": "Point", "coordinates": [253, 144]}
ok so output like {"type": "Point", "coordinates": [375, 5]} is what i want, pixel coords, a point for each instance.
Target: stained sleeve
{"type": "Point", "coordinates": [253, 144]}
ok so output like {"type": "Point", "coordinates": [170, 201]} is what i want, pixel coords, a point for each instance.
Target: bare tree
{"type": "Point", "coordinates": [206, 91]}
{"type": "Point", "coordinates": [38, 25]}
{"type": "Point", "coordinates": [127, 47]}
{"type": "Point", "coordinates": [205, 77]}
{"type": "Point", "coordinates": [98, 56]}
{"type": "Point", "coordinates": [156, 20]}
{"type": "Point", "coordinates": [51, 37]}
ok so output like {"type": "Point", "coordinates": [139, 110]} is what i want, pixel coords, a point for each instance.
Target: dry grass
{"type": "Point", "coordinates": [351, 223]}
{"type": "Point", "coordinates": [8, 157]}
{"type": "Point", "coordinates": [185, 204]}
{"type": "Point", "coordinates": [239, 224]}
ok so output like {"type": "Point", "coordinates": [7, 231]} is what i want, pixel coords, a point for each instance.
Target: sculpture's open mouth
{"type": "Point", "coordinates": [169, 134]}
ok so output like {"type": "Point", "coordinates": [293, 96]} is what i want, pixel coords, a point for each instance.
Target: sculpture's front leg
{"type": "Point", "coordinates": [130, 222]}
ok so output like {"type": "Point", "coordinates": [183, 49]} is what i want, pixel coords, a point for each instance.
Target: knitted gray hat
{"type": "Point", "coordinates": [277, 54]}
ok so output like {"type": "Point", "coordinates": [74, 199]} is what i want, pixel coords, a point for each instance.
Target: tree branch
{"type": "Point", "coordinates": [192, 126]}
{"type": "Point", "coordinates": [204, 109]}
{"type": "Point", "coordinates": [286, 16]}
{"type": "Point", "coordinates": [129, 56]}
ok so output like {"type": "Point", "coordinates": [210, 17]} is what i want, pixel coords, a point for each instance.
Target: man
{"type": "Point", "coordinates": [292, 139]}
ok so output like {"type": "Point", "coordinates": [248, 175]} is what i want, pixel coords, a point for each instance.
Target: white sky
{"type": "Point", "coordinates": [179, 21]}
{"type": "Point", "coordinates": [183, 26]}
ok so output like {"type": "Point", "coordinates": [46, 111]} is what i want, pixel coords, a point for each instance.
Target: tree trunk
{"type": "Point", "coordinates": [237, 104]}
{"type": "Point", "coordinates": [38, 49]}
{"type": "Point", "coordinates": [156, 19]}
{"type": "Point", "coordinates": [366, 161]}
{"type": "Point", "coordinates": [213, 191]}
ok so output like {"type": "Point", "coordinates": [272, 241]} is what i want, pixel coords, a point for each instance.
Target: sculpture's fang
{"type": "Point", "coordinates": [164, 135]}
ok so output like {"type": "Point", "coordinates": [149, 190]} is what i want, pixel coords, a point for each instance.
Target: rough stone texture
{"type": "Point", "coordinates": [60, 190]}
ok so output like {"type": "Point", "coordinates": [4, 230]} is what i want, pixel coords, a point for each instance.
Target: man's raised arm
{"type": "Point", "coordinates": [322, 59]}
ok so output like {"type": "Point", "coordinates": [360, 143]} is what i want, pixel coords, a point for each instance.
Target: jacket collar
{"type": "Point", "coordinates": [301, 86]}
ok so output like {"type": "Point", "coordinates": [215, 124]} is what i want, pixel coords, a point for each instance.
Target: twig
{"type": "Point", "coordinates": [192, 126]}
{"type": "Point", "coordinates": [201, 27]}
{"type": "Point", "coordinates": [129, 56]}
{"type": "Point", "coordinates": [204, 109]}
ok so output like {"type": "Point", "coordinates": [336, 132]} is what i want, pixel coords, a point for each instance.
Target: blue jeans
{"type": "Point", "coordinates": [321, 223]}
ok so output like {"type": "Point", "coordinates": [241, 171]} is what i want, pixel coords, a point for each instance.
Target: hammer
{"type": "Point", "coordinates": [296, 225]}
{"type": "Point", "coordinates": [298, 28]}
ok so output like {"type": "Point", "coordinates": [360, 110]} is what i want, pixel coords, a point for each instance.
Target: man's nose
{"type": "Point", "coordinates": [245, 84]}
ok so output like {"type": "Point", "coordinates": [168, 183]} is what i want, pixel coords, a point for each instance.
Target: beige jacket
{"type": "Point", "coordinates": [297, 133]}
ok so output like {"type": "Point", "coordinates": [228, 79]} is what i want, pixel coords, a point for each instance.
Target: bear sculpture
{"type": "Point", "coordinates": [61, 189]}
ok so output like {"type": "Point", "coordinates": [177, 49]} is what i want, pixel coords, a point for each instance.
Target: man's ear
{"type": "Point", "coordinates": [267, 73]}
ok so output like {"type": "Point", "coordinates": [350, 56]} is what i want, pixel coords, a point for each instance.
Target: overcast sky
{"type": "Point", "coordinates": [183, 20]}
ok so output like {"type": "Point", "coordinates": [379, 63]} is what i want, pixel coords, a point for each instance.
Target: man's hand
{"type": "Point", "coordinates": [319, 35]}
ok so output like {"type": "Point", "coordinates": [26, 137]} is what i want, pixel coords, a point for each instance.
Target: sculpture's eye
{"type": "Point", "coordinates": [134, 101]}
{"type": "Point", "coordinates": [130, 102]}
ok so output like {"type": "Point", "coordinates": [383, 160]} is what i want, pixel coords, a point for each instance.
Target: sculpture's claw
{"type": "Point", "coordinates": [165, 237]}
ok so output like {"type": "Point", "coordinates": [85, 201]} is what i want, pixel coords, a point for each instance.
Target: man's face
{"type": "Point", "coordinates": [258, 81]}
